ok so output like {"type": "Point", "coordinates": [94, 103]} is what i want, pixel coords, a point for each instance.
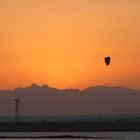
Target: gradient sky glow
{"type": "Point", "coordinates": [63, 43]}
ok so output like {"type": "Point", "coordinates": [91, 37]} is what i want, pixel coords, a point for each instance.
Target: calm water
{"type": "Point", "coordinates": [104, 135]}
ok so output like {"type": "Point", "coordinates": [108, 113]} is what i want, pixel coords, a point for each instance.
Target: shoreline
{"type": "Point", "coordinates": [52, 137]}
{"type": "Point", "coordinates": [69, 127]}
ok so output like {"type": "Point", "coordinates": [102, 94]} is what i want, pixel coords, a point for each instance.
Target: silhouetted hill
{"type": "Point", "coordinates": [5, 91]}
{"type": "Point", "coordinates": [44, 100]}
{"type": "Point", "coordinates": [103, 89]}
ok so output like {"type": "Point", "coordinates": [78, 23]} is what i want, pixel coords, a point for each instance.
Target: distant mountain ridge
{"type": "Point", "coordinates": [94, 88]}
{"type": "Point", "coordinates": [44, 100]}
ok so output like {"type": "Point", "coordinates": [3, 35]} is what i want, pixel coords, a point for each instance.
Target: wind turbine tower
{"type": "Point", "coordinates": [17, 103]}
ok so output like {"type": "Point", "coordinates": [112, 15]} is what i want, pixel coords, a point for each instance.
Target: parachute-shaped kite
{"type": "Point", "coordinates": [107, 60]}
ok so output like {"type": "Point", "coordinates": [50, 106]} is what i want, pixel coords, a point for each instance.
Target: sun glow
{"type": "Point", "coordinates": [63, 43]}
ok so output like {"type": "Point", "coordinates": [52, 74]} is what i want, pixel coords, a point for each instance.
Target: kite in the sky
{"type": "Point", "coordinates": [107, 60]}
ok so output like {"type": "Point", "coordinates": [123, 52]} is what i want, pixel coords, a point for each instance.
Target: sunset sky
{"type": "Point", "coordinates": [63, 43]}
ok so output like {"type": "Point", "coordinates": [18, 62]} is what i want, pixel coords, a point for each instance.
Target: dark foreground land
{"type": "Point", "coordinates": [69, 127]}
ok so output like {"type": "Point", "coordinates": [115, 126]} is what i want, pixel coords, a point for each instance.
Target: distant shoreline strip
{"type": "Point", "coordinates": [63, 136]}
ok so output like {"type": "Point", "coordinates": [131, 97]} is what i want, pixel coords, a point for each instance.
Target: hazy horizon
{"type": "Point", "coordinates": [47, 101]}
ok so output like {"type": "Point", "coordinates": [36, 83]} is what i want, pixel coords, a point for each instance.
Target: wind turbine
{"type": "Point", "coordinates": [17, 108]}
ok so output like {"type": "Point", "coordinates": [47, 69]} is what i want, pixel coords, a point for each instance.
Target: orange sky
{"type": "Point", "coordinates": [63, 43]}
